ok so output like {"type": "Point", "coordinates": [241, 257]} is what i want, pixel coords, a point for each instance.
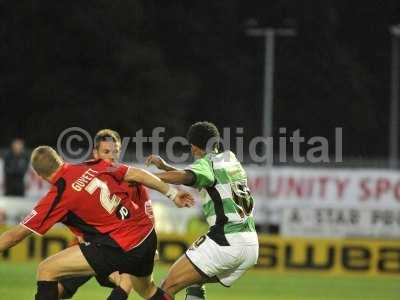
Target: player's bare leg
{"type": "Point", "coordinates": [67, 262]}
{"type": "Point", "coordinates": [144, 286]}
{"type": "Point", "coordinates": [122, 280]}
{"type": "Point", "coordinates": [120, 283]}
{"type": "Point", "coordinates": [181, 275]}
{"type": "Point", "coordinates": [123, 287]}
{"type": "Point", "coordinates": [125, 283]}
{"type": "Point", "coordinates": [61, 290]}
{"type": "Point", "coordinates": [71, 262]}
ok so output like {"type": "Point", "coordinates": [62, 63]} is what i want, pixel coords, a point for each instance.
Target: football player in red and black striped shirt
{"type": "Point", "coordinates": [90, 199]}
{"type": "Point", "coordinates": [107, 146]}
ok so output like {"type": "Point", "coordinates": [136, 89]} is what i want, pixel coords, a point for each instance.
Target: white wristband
{"type": "Point", "coordinates": [172, 192]}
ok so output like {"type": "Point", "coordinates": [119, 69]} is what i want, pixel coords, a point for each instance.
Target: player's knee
{"type": "Point", "coordinates": [169, 286]}
{"type": "Point", "coordinates": [125, 283]}
{"type": "Point", "coordinates": [145, 293]}
{"type": "Point", "coordinates": [115, 278]}
{"type": "Point", "coordinates": [146, 290]}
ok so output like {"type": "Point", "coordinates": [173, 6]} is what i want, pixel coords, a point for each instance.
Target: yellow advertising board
{"type": "Point", "coordinates": [277, 254]}
{"type": "Point", "coordinates": [330, 256]}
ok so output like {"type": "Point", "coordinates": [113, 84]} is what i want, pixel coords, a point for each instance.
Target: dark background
{"type": "Point", "coordinates": [130, 65]}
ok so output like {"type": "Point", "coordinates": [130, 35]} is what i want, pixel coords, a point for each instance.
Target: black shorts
{"type": "Point", "coordinates": [105, 260]}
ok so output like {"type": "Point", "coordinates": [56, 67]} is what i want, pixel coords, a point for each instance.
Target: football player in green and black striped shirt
{"type": "Point", "coordinates": [230, 247]}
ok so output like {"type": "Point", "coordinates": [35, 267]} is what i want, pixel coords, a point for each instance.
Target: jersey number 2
{"type": "Point", "coordinates": [109, 203]}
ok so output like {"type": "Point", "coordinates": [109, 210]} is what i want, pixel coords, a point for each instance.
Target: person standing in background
{"type": "Point", "coordinates": [16, 163]}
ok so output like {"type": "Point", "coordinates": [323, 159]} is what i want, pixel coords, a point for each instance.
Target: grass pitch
{"type": "Point", "coordinates": [17, 282]}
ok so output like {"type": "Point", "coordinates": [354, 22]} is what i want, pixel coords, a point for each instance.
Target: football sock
{"type": "Point", "coordinates": [161, 295]}
{"type": "Point", "coordinates": [195, 292]}
{"type": "Point", "coordinates": [46, 290]}
{"type": "Point", "coordinates": [118, 294]}
{"type": "Point", "coordinates": [71, 285]}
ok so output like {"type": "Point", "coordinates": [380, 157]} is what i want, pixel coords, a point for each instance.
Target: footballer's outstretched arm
{"type": "Point", "coordinates": [159, 163]}
{"type": "Point", "coordinates": [13, 236]}
{"type": "Point", "coordinates": [177, 177]}
{"type": "Point", "coordinates": [181, 199]}
{"type": "Point", "coordinates": [172, 175]}
{"type": "Point", "coordinates": [146, 178]}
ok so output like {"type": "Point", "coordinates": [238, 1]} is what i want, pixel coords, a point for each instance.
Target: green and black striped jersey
{"type": "Point", "coordinates": [225, 196]}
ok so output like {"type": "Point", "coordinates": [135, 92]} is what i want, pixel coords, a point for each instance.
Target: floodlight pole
{"type": "Point", "coordinates": [269, 62]}
{"type": "Point", "coordinates": [394, 96]}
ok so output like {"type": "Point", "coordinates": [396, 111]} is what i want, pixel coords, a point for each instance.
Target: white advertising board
{"type": "Point", "coordinates": [297, 201]}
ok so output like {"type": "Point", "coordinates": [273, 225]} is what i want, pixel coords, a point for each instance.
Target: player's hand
{"type": "Point", "coordinates": [184, 199]}
{"type": "Point", "coordinates": [157, 161]}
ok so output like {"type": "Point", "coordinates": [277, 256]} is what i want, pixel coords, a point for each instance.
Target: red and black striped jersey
{"type": "Point", "coordinates": [92, 199]}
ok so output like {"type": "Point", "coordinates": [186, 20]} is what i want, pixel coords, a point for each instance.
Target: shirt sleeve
{"type": "Point", "coordinates": [202, 170]}
{"type": "Point", "coordinates": [47, 212]}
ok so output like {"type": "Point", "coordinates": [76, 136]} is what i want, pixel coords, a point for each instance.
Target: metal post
{"type": "Point", "coordinates": [268, 89]}
{"type": "Point", "coordinates": [394, 95]}
{"type": "Point", "coordinates": [268, 83]}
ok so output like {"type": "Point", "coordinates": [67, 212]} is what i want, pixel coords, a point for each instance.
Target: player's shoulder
{"type": "Point", "coordinates": [98, 164]}
{"type": "Point", "coordinates": [226, 155]}
{"type": "Point", "coordinates": [224, 159]}
{"type": "Point", "coordinates": [91, 162]}
{"type": "Point", "coordinates": [73, 171]}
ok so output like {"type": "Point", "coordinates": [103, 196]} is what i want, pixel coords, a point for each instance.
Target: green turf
{"type": "Point", "coordinates": [17, 282]}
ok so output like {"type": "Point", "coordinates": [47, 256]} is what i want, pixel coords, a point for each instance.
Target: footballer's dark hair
{"type": "Point", "coordinates": [106, 135]}
{"type": "Point", "coordinates": [204, 135]}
